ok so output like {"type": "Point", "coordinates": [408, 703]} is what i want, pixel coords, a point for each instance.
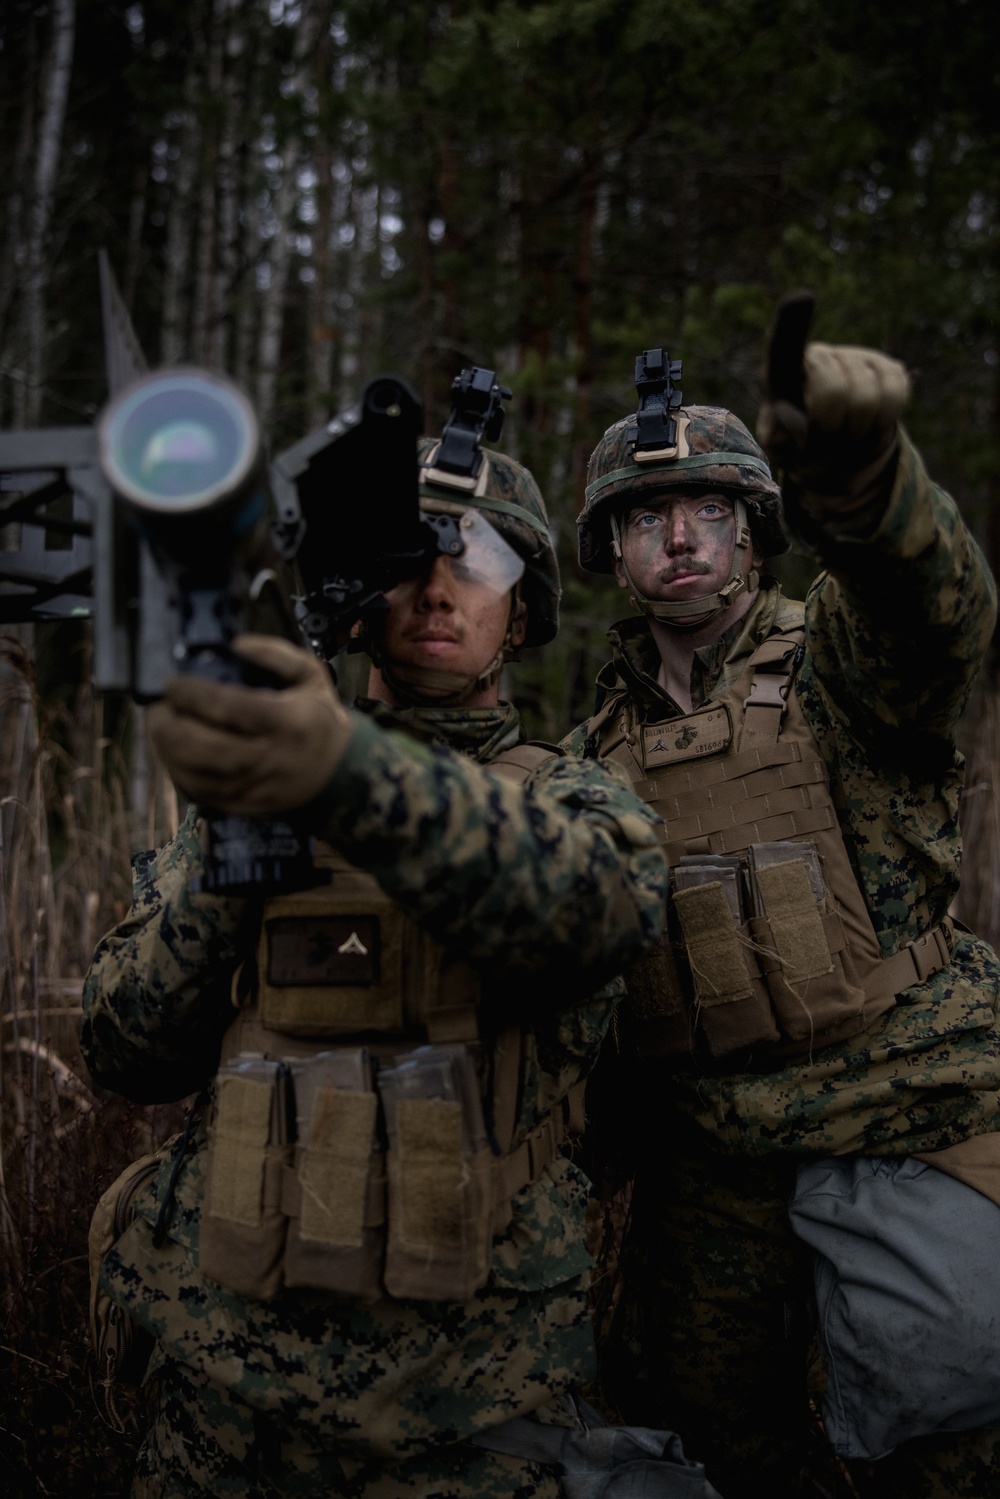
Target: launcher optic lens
{"type": "Point", "coordinates": [179, 441]}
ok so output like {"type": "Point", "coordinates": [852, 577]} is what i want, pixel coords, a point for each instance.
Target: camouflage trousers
{"type": "Point", "coordinates": [712, 1337]}
{"type": "Point", "coordinates": [207, 1443]}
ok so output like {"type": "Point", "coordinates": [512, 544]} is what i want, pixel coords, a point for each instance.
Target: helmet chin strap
{"type": "Point", "coordinates": [423, 686]}
{"type": "Point", "coordinates": [692, 614]}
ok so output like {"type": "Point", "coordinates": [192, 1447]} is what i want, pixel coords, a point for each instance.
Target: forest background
{"type": "Point", "coordinates": [304, 194]}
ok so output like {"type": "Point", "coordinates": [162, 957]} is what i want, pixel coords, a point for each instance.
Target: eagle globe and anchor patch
{"type": "Point", "coordinates": [703, 733]}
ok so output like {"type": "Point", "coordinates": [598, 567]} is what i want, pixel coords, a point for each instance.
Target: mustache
{"type": "Point", "coordinates": [676, 568]}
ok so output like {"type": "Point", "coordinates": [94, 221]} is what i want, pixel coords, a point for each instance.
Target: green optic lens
{"type": "Point", "coordinates": [177, 442]}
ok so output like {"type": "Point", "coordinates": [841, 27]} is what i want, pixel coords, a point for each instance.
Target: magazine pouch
{"type": "Point", "coordinates": [440, 1176]}
{"type": "Point", "coordinates": [243, 1223]}
{"type": "Point", "coordinates": [335, 1198]}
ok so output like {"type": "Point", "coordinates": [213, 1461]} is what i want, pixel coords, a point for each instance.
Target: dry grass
{"type": "Point", "coordinates": [64, 850]}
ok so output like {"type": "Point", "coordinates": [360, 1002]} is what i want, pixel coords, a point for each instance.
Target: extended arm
{"type": "Point", "coordinates": [899, 620]}
{"type": "Point", "coordinates": [561, 879]}
{"type": "Point", "coordinates": [563, 876]}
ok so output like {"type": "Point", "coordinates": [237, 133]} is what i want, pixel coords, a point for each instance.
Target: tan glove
{"type": "Point", "coordinates": [253, 751]}
{"type": "Point", "coordinates": [839, 450]}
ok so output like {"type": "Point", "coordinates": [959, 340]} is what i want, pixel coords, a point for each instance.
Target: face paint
{"type": "Point", "coordinates": [681, 547]}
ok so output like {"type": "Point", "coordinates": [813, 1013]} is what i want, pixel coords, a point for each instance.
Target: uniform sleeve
{"type": "Point", "coordinates": [898, 623]}
{"type": "Point", "coordinates": [562, 880]}
{"type": "Point", "coordinates": [575, 742]}
{"type": "Point", "coordinates": [157, 997]}
{"type": "Point", "coordinates": [562, 877]}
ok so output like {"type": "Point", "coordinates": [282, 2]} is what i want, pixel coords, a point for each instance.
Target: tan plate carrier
{"type": "Point", "coordinates": [340, 965]}
{"type": "Point", "coordinates": [745, 769]}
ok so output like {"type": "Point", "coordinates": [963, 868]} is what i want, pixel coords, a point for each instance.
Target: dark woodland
{"type": "Point", "coordinates": [302, 194]}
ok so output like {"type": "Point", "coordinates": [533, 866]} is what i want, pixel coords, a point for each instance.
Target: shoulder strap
{"type": "Point", "coordinates": [520, 762]}
{"type": "Point", "coordinates": [604, 726]}
{"type": "Point", "coordinates": [771, 668]}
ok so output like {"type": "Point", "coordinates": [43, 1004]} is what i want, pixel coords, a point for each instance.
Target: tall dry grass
{"type": "Point", "coordinates": [65, 835]}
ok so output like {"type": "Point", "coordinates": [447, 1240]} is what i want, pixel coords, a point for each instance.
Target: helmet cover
{"type": "Point", "coordinates": [715, 452]}
{"type": "Point", "coordinates": [505, 492]}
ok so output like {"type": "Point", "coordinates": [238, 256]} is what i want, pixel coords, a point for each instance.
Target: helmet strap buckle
{"type": "Point", "coordinates": [731, 592]}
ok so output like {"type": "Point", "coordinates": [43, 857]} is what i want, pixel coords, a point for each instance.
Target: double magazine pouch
{"type": "Point", "coordinates": [243, 1226]}
{"type": "Point", "coordinates": [757, 951]}
{"type": "Point", "coordinates": [335, 1199]}
{"type": "Point", "coordinates": [440, 1177]}
{"type": "Point", "coordinates": [769, 942]}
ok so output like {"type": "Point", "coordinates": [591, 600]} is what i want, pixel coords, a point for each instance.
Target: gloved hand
{"type": "Point", "coordinates": [840, 450]}
{"type": "Point", "coordinates": [253, 751]}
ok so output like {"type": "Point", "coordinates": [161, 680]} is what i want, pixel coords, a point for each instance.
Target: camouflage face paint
{"type": "Point", "coordinates": [679, 547]}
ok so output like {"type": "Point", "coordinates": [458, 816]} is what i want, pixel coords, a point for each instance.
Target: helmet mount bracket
{"type": "Point", "coordinates": [680, 447]}
{"type": "Point", "coordinates": [655, 432]}
{"type": "Point", "coordinates": [477, 415]}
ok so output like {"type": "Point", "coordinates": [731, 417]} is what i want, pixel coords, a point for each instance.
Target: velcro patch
{"type": "Point", "coordinates": [717, 968]}
{"type": "Point", "coordinates": [334, 1168]}
{"type": "Point", "coordinates": [791, 908]}
{"type": "Point", "coordinates": [322, 950]}
{"type": "Point", "coordinates": [702, 733]}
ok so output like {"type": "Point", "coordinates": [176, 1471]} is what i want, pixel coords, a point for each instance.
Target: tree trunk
{"type": "Point", "coordinates": [210, 154]}
{"type": "Point", "coordinates": [272, 315]}
{"type": "Point", "coordinates": [583, 330]}
{"type": "Point", "coordinates": [14, 217]}
{"type": "Point", "coordinates": [180, 230]}
{"type": "Point", "coordinates": [227, 179]}
{"type": "Point", "coordinates": [57, 81]}
{"type": "Point", "coordinates": [273, 310]}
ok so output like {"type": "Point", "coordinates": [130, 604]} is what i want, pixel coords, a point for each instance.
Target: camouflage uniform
{"type": "Point", "coordinates": [715, 1283]}
{"type": "Point", "coordinates": [548, 888]}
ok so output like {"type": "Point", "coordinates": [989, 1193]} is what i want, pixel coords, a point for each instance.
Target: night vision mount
{"type": "Point", "coordinates": [656, 432]}
{"type": "Point", "coordinates": [477, 415]}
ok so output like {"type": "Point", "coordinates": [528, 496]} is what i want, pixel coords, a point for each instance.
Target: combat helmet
{"type": "Point", "coordinates": [506, 494]}
{"type": "Point", "coordinates": [668, 445]}
{"type": "Point", "coordinates": [472, 494]}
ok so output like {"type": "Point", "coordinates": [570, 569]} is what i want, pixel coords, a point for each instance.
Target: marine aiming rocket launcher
{"type": "Point", "coordinates": [167, 525]}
